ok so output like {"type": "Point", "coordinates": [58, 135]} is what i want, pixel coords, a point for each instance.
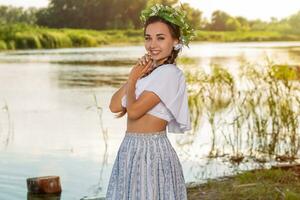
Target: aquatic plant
{"type": "Point", "coordinates": [256, 114]}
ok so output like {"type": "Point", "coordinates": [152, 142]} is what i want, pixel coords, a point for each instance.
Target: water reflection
{"type": "Point", "coordinates": [250, 116]}
{"type": "Point", "coordinates": [109, 63]}
{"type": "Point", "coordinates": [50, 91]}
{"type": "Point", "coordinates": [85, 78]}
{"type": "Point", "coordinates": [31, 196]}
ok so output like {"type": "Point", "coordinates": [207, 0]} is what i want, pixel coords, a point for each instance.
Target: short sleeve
{"type": "Point", "coordinates": [164, 83]}
{"type": "Point", "coordinates": [168, 82]}
{"type": "Point", "coordinates": [123, 101]}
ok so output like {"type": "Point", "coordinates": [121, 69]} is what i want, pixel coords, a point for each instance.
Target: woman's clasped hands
{"type": "Point", "coordinates": [142, 67]}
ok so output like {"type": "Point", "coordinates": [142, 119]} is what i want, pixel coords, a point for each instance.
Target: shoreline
{"type": "Point", "coordinates": [25, 37]}
{"type": "Point", "coordinates": [277, 182]}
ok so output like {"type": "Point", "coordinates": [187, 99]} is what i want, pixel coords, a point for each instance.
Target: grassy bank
{"type": "Point", "coordinates": [237, 36]}
{"type": "Point", "coordinates": [33, 37]}
{"type": "Point", "coordinates": [22, 36]}
{"type": "Point", "coordinates": [267, 184]}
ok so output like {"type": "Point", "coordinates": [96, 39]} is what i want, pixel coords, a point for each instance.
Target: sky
{"type": "Point", "coordinates": [251, 9]}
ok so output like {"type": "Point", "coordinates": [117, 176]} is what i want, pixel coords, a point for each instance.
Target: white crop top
{"type": "Point", "coordinates": [160, 110]}
{"type": "Point", "coordinates": [167, 82]}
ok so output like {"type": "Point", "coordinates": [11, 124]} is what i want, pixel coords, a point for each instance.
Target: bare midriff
{"type": "Point", "coordinates": [146, 124]}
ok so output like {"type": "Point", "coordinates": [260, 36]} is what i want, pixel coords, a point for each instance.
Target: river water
{"type": "Point", "coordinates": [54, 113]}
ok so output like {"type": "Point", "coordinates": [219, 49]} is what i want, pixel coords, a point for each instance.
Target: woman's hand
{"type": "Point", "coordinates": [144, 65]}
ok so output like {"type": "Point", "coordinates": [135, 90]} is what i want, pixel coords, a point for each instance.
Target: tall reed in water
{"type": "Point", "coordinates": [256, 113]}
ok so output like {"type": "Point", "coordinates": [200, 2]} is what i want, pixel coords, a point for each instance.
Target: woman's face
{"type": "Point", "coordinates": [159, 41]}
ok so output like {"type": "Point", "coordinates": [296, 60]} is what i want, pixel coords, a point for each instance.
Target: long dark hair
{"type": "Point", "coordinates": [175, 33]}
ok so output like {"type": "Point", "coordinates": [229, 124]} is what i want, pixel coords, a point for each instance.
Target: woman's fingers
{"type": "Point", "coordinates": [150, 67]}
{"type": "Point", "coordinates": [140, 61]}
{"type": "Point", "coordinates": [144, 60]}
{"type": "Point", "coordinates": [147, 67]}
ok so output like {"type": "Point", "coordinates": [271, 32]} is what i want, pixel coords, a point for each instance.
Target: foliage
{"type": "Point", "coordinates": [176, 16]}
{"type": "Point", "coordinates": [113, 14]}
{"type": "Point", "coordinates": [163, 2]}
{"type": "Point", "coordinates": [194, 16]}
{"type": "Point", "coordinates": [3, 45]}
{"type": "Point", "coordinates": [294, 21]}
{"type": "Point", "coordinates": [12, 36]}
{"type": "Point", "coordinates": [249, 36]}
{"type": "Point", "coordinates": [256, 113]}
{"type": "Point", "coordinates": [218, 21]}
{"type": "Point", "coordinates": [91, 14]}
{"type": "Point", "coordinates": [23, 36]}
{"type": "Point", "coordinates": [10, 14]}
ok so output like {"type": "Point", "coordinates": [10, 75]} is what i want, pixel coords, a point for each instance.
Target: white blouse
{"type": "Point", "coordinates": [167, 82]}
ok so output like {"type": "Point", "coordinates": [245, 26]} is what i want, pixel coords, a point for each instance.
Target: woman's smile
{"type": "Point", "coordinates": [159, 41]}
{"type": "Point", "coordinates": [154, 52]}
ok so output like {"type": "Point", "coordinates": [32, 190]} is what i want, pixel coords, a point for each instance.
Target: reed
{"type": "Point", "coordinates": [256, 114]}
{"type": "Point", "coordinates": [6, 127]}
{"type": "Point", "coordinates": [213, 93]}
{"type": "Point", "coordinates": [104, 133]}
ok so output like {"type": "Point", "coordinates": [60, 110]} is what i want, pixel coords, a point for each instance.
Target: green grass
{"type": "Point", "coordinates": [257, 185]}
{"type": "Point", "coordinates": [23, 36]}
{"type": "Point", "coordinates": [251, 36]}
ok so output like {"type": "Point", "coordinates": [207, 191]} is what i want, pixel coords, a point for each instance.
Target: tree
{"type": "Point", "coordinates": [132, 12]}
{"type": "Point", "coordinates": [258, 25]}
{"type": "Point", "coordinates": [294, 22]}
{"type": "Point", "coordinates": [92, 14]}
{"type": "Point", "coordinates": [219, 19]}
{"type": "Point", "coordinates": [194, 16]}
{"type": "Point", "coordinates": [9, 15]}
{"type": "Point", "coordinates": [244, 23]}
{"type": "Point", "coordinates": [232, 24]}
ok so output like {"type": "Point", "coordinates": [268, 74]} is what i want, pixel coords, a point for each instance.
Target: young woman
{"type": "Point", "coordinates": [155, 99]}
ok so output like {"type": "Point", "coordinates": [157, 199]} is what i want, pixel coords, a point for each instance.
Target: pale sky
{"type": "Point", "coordinates": [251, 9]}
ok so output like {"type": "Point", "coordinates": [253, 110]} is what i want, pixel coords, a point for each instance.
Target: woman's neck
{"type": "Point", "coordinates": [159, 62]}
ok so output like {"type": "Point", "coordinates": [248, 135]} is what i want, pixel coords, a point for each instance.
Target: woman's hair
{"type": "Point", "coordinates": [175, 33]}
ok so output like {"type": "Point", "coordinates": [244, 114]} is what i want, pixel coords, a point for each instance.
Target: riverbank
{"type": "Point", "coordinates": [22, 36]}
{"type": "Point", "coordinates": [264, 184]}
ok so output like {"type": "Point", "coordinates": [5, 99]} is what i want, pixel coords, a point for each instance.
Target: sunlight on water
{"type": "Point", "coordinates": [50, 118]}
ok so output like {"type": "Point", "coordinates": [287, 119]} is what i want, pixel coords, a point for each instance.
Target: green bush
{"type": "Point", "coordinates": [27, 41]}
{"type": "Point", "coordinates": [3, 45]}
{"type": "Point", "coordinates": [24, 36]}
{"type": "Point", "coordinates": [11, 45]}
{"type": "Point", "coordinates": [51, 39]}
{"type": "Point", "coordinates": [133, 33]}
{"type": "Point", "coordinates": [82, 40]}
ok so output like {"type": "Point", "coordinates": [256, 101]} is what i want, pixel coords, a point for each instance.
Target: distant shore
{"type": "Point", "coordinates": [22, 36]}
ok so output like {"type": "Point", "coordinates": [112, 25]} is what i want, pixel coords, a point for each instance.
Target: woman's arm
{"type": "Point", "coordinates": [115, 105]}
{"type": "Point", "coordinates": [136, 108]}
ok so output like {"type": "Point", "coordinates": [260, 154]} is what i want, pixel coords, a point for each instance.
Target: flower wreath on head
{"type": "Point", "coordinates": [173, 15]}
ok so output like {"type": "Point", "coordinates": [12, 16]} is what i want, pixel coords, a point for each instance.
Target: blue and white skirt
{"type": "Point", "coordinates": [146, 168]}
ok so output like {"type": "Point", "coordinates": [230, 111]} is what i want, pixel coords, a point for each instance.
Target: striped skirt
{"type": "Point", "coordinates": [146, 168]}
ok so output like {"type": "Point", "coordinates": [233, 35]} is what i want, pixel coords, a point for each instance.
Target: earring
{"type": "Point", "coordinates": [178, 46]}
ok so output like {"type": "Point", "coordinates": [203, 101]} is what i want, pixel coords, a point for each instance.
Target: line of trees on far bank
{"type": "Point", "coordinates": [113, 14]}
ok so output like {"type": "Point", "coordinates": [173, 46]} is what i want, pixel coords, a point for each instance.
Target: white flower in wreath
{"type": "Point", "coordinates": [178, 46]}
